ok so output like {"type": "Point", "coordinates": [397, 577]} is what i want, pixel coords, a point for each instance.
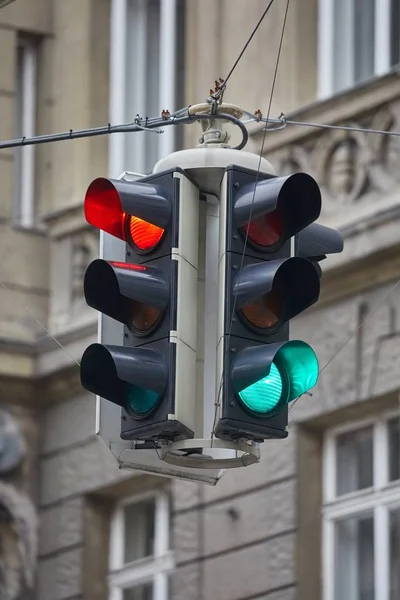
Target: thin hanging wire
{"type": "Point", "coordinates": [235, 64]}
{"type": "Point", "coordinates": [353, 333]}
{"type": "Point", "coordinates": [15, 297]}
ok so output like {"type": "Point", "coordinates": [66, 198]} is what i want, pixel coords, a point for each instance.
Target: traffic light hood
{"type": "Point", "coordinates": [293, 282]}
{"type": "Point", "coordinates": [123, 375]}
{"type": "Point", "coordinates": [295, 198]}
{"type": "Point", "coordinates": [125, 292]}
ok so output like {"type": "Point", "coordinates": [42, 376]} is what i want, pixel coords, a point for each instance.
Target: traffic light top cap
{"type": "Point", "coordinates": [297, 197]}
{"type": "Point", "coordinates": [111, 204]}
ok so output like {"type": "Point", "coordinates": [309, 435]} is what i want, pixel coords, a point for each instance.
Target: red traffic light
{"type": "Point", "coordinates": [265, 231]}
{"type": "Point", "coordinates": [134, 212]}
{"type": "Point", "coordinates": [144, 235]}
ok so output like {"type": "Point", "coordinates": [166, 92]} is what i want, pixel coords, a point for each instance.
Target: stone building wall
{"type": "Point", "coordinates": [256, 535]}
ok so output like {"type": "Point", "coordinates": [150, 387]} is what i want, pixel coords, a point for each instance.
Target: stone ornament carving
{"type": "Point", "coordinates": [12, 445]}
{"type": "Point", "coordinates": [350, 166]}
{"type": "Point", "coordinates": [18, 519]}
{"type": "Point", "coordinates": [85, 249]}
{"type": "Point", "coordinates": [294, 160]}
{"type": "Point", "coordinates": [341, 161]}
{"type": "Point", "coordinates": [385, 149]}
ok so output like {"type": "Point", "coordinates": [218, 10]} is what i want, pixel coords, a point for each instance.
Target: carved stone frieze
{"type": "Point", "coordinates": [293, 159]}
{"type": "Point", "coordinates": [18, 518]}
{"type": "Point", "coordinates": [385, 167]}
{"type": "Point", "coordinates": [353, 168]}
{"type": "Point", "coordinates": [341, 159]}
{"type": "Point", "coordinates": [85, 248]}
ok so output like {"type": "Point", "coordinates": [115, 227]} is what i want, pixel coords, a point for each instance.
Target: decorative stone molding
{"type": "Point", "coordinates": [18, 519]}
{"type": "Point", "coordinates": [85, 248]}
{"type": "Point", "coordinates": [359, 176]}
{"type": "Point", "coordinates": [74, 246]}
{"type": "Point", "coordinates": [353, 168]}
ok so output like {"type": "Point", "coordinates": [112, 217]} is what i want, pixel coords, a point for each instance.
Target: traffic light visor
{"type": "Point", "coordinates": [270, 211]}
{"type": "Point", "coordinates": [135, 295]}
{"type": "Point", "coordinates": [269, 293]}
{"type": "Point", "coordinates": [133, 378]}
{"type": "Point", "coordinates": [103, 208]}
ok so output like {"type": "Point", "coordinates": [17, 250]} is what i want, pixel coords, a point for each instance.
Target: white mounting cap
{"type": "Point", "coordinates": [207, 165]}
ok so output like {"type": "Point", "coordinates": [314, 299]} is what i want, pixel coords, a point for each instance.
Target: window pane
{"type": "Point", "coordinates": [354, 465]}
{"type": "Point", "coordinates": [364, 14]}
{"type": "Point", "coordinates": [342, 45]}
{"type": "Point", "coordinates": [395, 554]}
{"type": "Point", "coordinates": [139, 592]}
{"type": "Point", "coordinates": [139, 530]}
{"type": "Point", "coordinates": [394, 449]}
{"type": "Point", "coordinates": [142, 80]}
{"type": "Point", "coordinates": [354, 558]}
{"type": "Point", "coordinates": [395, 33]}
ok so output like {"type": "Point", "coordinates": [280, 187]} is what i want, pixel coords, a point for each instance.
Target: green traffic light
{"type": "Point", "coordinates": [293, 371]}
{"type": "Point", "coordinates": [139, 400]}
{"type": "Point", "coordinates": [263, 395]}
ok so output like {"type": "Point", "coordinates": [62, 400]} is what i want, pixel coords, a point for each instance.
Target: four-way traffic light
{"type": "Point", "coordinates": [154, 294]}
{"type": "Point", "coordinates": [263, 283]}
{"type": "Point", "coordinates": [268, 273]}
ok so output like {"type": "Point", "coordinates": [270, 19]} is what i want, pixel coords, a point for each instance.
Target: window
{"type": "Point", "coordinates": [140, 556]}
{"type": "Point", "coordinates": [26, 80]}
{"type": "Point", "coordinates": [361, 512]}
{"type": "Point", "coordinates": [357, 40]}
{"type": "Point", "coordinates": [147, 55]}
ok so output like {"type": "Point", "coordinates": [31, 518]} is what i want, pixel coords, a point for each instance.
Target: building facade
{"type": "Point", "coordinates": [319, 517]}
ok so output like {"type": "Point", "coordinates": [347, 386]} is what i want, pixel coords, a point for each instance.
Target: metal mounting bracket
{"type": "Point", "coordinates": [176, 453]}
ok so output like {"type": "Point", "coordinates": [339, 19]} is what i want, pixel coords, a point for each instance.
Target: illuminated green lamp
{"type": "Point", "coordinates": [267, 376]}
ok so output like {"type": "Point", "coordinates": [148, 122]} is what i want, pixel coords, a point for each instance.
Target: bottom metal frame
{"type": "Point", "coordinates": [178, 453]}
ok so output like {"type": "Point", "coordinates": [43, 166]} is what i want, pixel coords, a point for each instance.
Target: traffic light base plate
{"type": "Point", "coordinates": [189, 453]}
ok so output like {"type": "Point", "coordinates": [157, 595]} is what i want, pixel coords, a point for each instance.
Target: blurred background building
{"type": "Point", "coordinates": [319, 517]}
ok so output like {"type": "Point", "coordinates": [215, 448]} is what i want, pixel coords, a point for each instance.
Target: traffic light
{"type": "Point", "coordinates": [154, 294]}
{"type": "Point", "coordinates": [262, 285]}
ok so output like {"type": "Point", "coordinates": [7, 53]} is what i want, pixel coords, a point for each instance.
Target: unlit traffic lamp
{"type": "Point", "coordinates": [262, 286]}
{"type": "Point", "coordinates": [154, 294]}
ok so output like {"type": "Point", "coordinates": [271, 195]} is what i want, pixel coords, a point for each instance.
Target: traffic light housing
{"type": "Point", "coordinates": [262, 285]}
{"type": "Point", "coordinates": [154, 295]}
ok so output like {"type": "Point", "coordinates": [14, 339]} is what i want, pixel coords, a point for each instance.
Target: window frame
{"type": "Point", "coordinates": [326, 35]}
{"type": "Point", "coordinates": [167, 96]}
{"type": "Point", "coordinates": [24, 214]}
{"type": "Point", "coordinates": [380, 499]}
{"type": "Point", "coordinates": [154, 568]}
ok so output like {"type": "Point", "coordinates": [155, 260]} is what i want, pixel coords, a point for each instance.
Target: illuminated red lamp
{"type": "Point", "coordinates": [265, 231]}
{"type": "Point", "coordinates": [103, 209]}
{"type": "Point", "coordinates": [144, 235]}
